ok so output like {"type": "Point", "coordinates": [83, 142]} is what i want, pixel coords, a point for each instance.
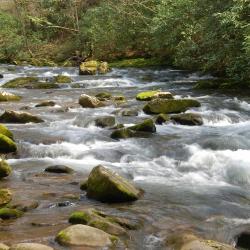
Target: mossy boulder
{"type": "Point", "coordinates": [5, 169]}
{"type": "Point", "coordinates": [97, 219]}
{"type": "Point", "coordinates": [123, 133]}
{"type": "Point", "coordinates": [30, 246]}
{"type": "Point", "coordinates": [8, 97]}
{"type": "Point", "coordinates": [158, 106]}
{"type": "Point", "coordinates": [19, 117]}
{"type": "Point", "coordinates": [102, 96]}
{"type": "Point", "coordinates": [88, 68]}
{"type": "Point", "coordinates": [189, 119]}
{"type": "Point", "coordinates": [162, 118]}
{"type": "Point", "coordinates": [107, 186]}
{"type": "Point", "coordinates": [84, 236]}
{"type": "Point", "coordinates": [103, 68]}
{"type": "Point", "coordinates": [145, 126]}
{"type": "Point", "coordinates": [62, 79]}
{"type": "Point", "coordinates": [45, 104]}
{"type": "Point", "coordinates": [87, 101]}
{"type": "Point", "coordinates": [5, 197]}
{"type": "Point", "coordinates": [9, 213]}
{"type": "Point", "coordinates": [7, 145]}
{"type": "Point", "coordinates": [5, 131]}
{"type": "Point", "coordinates": [150, 95]}
{"type": "Point", "coordinates": [106, 121]}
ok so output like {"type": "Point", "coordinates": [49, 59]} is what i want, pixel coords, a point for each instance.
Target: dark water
{"type": "Point", "coordinates": [195, 178]}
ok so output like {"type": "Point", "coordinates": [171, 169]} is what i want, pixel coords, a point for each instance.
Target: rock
{"type": "Point", "coordinates": [84, 185]}
{"type": "Point", "coordinates": [88, 68]}
{"type": "Point", "coordinates": [5, 131]}
{"type": "Point", "coordinates": [107, 186]}
{"type": "Point", "coordinates": [103, 68]}
{"type": "Point", "coordinates": [118, 126]}
{"type": "Point", "coordinates": [5, 169]}
{"type": "Point", "coordinates": [94, 218]}
{"type": "Point", "coordinates": [59, 169]}
{"type": "Point", "coordinates": [19, 117]}
{"type": "Point", "coordinates": [9, 213]}
{"type": "Point", "coordinates": [24, 206]}
{"type": "Point", "coordinates": [106, 121]}
{"type": "Point", "coordinates": [158, 106]}
{"type": "Point", "coordinates": [149, 95]}
{"type": "Point", "coordinates": [124, 133]}
{"type": "Point", "coordinates": [129, 112]}
{"type": "Point", "coordinates": [87, 101]}
{"type": "Point", "coordinates": [62, 79]}
{"type": "Point", "coordinates": [145, 126]}
{"type": "Point", "coordinates": [1, 75]}
{"type": "Point", "coordinates": [7, 145]}
{"type": "Point", "coordinates": [46, 104]}
{"type": "Point", "coordinates": [191, 242]}
{"type": "Point", "coordinates": [5, 197]}
{"type": "Point", "coordinates": [4, 247]}
{"type": "Point", "coordinates": [103, 96]}
{"type": "Point", "coordinates": [29, 83]}
{"type": "Point", "coordinates": [119, 98]}
{"type": "Point", "coordinates": [6, 97]}
{"type": "Point", "coordinates": [30, 246]}
{"type": "Point", "coordinates": [243, 240]}
{"type": "Point", "coordinates": [187, 119]}
{"type": "Point", "coordinates": [161, 118]}
{"type": "Point", "coordinates": [85, 236]}
{"type": "Point", "coordinates": [25, 108]}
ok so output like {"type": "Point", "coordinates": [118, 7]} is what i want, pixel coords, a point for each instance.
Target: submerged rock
{"type": "Point", "coordinates": [150, 95]}
{"type": "Point", "coordinates": [62, 79]}
{"type": "Point", "coordinates": [85, 236]}
{"type": "Point", "coordinates": [46, 104]}
{"type": "Point", "coordinates": [24, 206]}
{"type": "Point", "coordinates": [107, 186]}
{"type": "Point", "coordinates": [5, 169]}
{"type": "Point", "coordinates": [106, 121]}
{"type": "Point", "coordinates": [164, 106]}
{"type": "Point", "coordinates": [30, 246]}
{"type": "Point", "coordinates": [59, 169]}
{"type": "Point", "coordinates": [7, 145]}
{"type": "Point", "coordinates": [19, 117]}
{"type": "Point", "coordinates": [87, 101]}
{"type": "Point", "coordinates": [5, 197]}
{"type": "Point", "coordinates": [162, 118]}
{"type": "Point", "coordinates": [9, 213]}
{"type": "Point", "coordinates": [7, 97]}
{"type": "Point", "coordinates": [190, 119]}
{"type": "Point", "coordinates": [5, 131]}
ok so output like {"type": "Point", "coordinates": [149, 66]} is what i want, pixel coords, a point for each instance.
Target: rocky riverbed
{"type": "Point", "coordinates": [189, 163]}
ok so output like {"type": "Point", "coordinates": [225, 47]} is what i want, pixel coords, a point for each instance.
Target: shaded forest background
{"type": "Point", "coordinates": [208, 35]}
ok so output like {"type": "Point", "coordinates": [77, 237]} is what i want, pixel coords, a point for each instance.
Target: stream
{"type": "Point", "coordinates": [195, 178]}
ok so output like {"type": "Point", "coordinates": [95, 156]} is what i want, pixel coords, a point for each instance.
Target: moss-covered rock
{"type": "Point", "coordinates": [84, 236]}
{"type": "Point", "coordinates": [190, 119]}
{"type": "Point", "coordinates": [62, 79]}
{"type": "Point", "coordinates": [145, 126]}
{"type": "Point", "coordinates": [88, 68]}
{"type": "Point", "coordinates": [103, 68]}
{"type": "Point", "coordinates": [162, 118]}
{"type": "Point", "coordinates": [5, 169]}
{"type": "Point", "coordinates": [8, 213]}
{"type": "Point", "coordinates": [150, 95]}
{"type": "Point", "coordinates": [7, 145]}
{"type": "Point", "coordinates": [103, 96]}
{"type": "Point", "coordinates": [45, 104]}
{"type": "Point", "coordinates": [107, 186]}
{"type": "Point", "coordinates": [106, 121]}
{"type": "Point", "coordinates": [5, 131]}
{"type": "Point", "coordinates": [119, 98]}
{"type": "Point", "coordinates": [30, 246]}
{"type": "Point", "coordinates": [123, 133]}
{"type": "Point", "coordinates": [7, 97]}
{"type": "Point", "coordinates": [87, 101]}
{"type": "Point", "coordinates": [158, 106]}
{"type": "Point", "coordinates": [5, 197]}
{"type": "Point", "coordinates": [59, 169]}
{"type": "Point", "coordinates": [19, 117]}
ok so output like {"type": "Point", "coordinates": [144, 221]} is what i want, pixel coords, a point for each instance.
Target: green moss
{"type": "Point", "coordinates": [145, 126]}
{"type": "Point", "coordinates": [5, 196]}
{"type": "Point", "coordinates": [79, 217]}
{"type": "Point", "coordinates": [8, 213]}
{"type": "Point", "coordinates": [7, 145]}
{"type": "Point", "coordinates": [138, 63]}
{"type": "Point", "coordinates": [62, 237]}
{"type": "Point", "coordinates": [7, 97]}
{"type": "Point", "coordinates": [188, 119]}
{"type": "Point", "coordinates": [46, 85]}
{"type": "Point", "coordinates": [5, 169]}
{"type": "Point", "coordinates": [104, 95]}
{"type": "Point", "coordinates": [146, 96]}
{"type": "Point", "coordinates": [122, 133]}
{"type": "Point", "coordinates": [162, 118]}
{"type": "Point", "coordinates": [20, 82]}
{"type": "Point", "coordinates": [62, 79]}
{"type": "Point", "coordinates": [5, 131]}
{"type": "Point", "coordinates": [164, 106]}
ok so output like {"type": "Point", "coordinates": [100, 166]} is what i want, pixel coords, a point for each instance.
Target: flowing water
{"type": "Point", "coordinates": [195, 178]}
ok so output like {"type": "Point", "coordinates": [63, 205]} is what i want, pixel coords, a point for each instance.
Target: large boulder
{"type": "Point", "coordinates": [7, 145]}
{"type": "Point", "coordinates": [30, 246]}
{"type": "Point", "coordinates": [6, 97]}
{"type": "Point", "coordinates": [5, 169]}
{"type": "Point", "coordinates": [19, 117]}
{"type": "Point", "coordinates": [84, 236]}
{"type": "Point", "coordinates": [189, 119]}
{"type": "Point", "coordinates": [5, 197]}
{"type": "Point", "coordinates": [5, 131]}
{"type": "Point", "coordinates": [87, 101]}
{"type": "Point", "coordinates": [107, 186]}
{"type": "Point", "coordinates": [150, 95]}
{"type": "Point", "coordinates": [191, 242]}
{"type": "Point", "coordinates": [158, 106]}
{"type": "Point", "coordinates": [88, 68]}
